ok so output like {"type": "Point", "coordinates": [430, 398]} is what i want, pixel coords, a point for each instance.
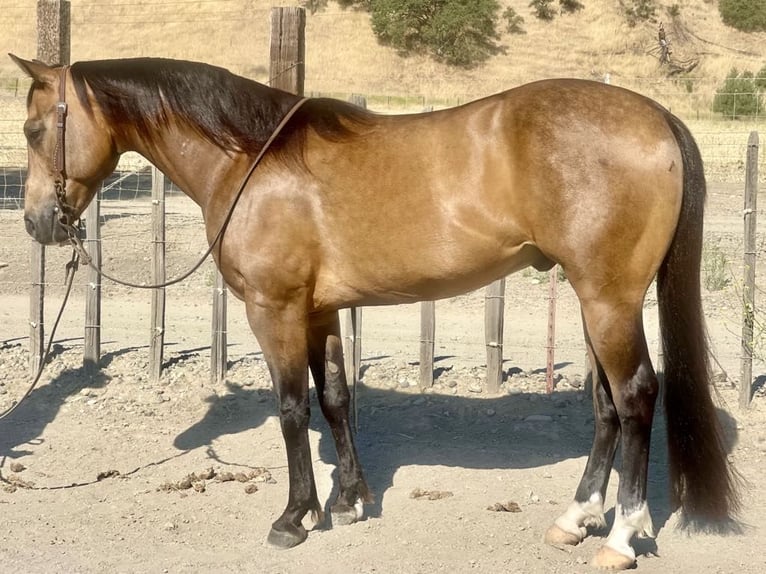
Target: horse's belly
{"type": "Point", "coordinates": [430, 276]}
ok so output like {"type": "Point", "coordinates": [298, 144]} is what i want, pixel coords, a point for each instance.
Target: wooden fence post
{"type": "Point", "coordinates": [352, 344]}
{"type": "Point", "coordinates": [748, 288]}
{"type": "Point", "coordinates": [494, 311]}
{"type": "Point", "coordinates": [92, 346]}
{"type": "Point", "coordinates": [53, 31]}
{"type": "Point", "coordinates": [53, 41]}
{"type": "Point", "coordinates": [288, 49]}
{"type": "Point", "coordinates": [550, 363]}
{"type": "Point", "coordinates": [157, 335]}
{"type": "Point", "coordinates": [218, 355]}
{"type": "Point", "coordinates": [352, 353]}
{"type": "Point", "coordinates": [427, 338]}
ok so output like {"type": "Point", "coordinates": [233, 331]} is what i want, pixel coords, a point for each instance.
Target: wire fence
{"type": "Point", "coordinates": [126, 233]}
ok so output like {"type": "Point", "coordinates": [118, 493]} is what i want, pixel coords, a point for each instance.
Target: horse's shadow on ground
{"type": "Point", "coordinates": [398, 429]}
{"type": "Point", "coordinates": [26, 424]}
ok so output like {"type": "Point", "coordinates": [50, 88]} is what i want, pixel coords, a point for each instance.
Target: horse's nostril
{"type": "Point", "coordinates": [30, 225]}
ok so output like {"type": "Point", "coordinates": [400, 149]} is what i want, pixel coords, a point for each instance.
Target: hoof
{"type": "Point", "coordinates": [286, 537]}
{"type": "Point", "coordinates": [556, 536]}
{"type": "Point", "coordinates": [343, 514]}
{"type": "Point", "coordinates": [608, 558]}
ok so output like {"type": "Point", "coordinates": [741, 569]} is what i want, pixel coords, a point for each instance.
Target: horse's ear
{"type": "Point", "coordinates": [35, 69]}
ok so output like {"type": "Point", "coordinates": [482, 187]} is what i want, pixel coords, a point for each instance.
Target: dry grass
{"type": "Point", "coordinates": [344, 57]}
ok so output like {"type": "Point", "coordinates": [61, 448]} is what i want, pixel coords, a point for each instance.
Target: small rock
{"type": "Point", "coordinates": [17, 467]}
{"type": "Point", "coordinates": [509, 506]}
{"type": "Point", "coordinates": [185, 484]}
{"type": "Point", "coordinates": [250, 488]}
{"type": "Point", "coordinates": [475, 388]}
{"type": "Point", "coordinates": [170, 526]}
{"type": "Point", "coordinates": [490, 412]}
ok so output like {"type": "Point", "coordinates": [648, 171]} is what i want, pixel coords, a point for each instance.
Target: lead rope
{"type": "Point", "coordinates": [71, 268]}
{"type": "Point", "coordinates": [79, 253]}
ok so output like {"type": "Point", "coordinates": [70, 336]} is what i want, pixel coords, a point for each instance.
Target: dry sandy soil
{"type": "Point", "coordinates": [92, 466]}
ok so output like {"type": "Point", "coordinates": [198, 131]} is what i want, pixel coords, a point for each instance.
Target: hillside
{"type": "Point", "coordinates": [343, 55]}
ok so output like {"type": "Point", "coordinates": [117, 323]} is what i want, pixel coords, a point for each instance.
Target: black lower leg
{"type": "Point", "coordinates": [606, 436]}
{"type": "Point", "coordinates": [326, 362]}
{"type": "Point", "coordinates": [287, 530]}
{"type": "Point", "coordinates": [636, 411]}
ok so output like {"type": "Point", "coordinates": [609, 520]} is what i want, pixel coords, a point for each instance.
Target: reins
{"type": "Point", "coordinates": [71, 223]}
{"type": "Point", "coordinates": [78, 246]}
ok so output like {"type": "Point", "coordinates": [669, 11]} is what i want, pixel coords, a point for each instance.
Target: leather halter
{"type": "Point", "coordinates": [65, 211]}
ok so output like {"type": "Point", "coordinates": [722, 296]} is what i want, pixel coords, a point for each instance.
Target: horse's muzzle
{"type": "Point", "coordinates": [45, 227]}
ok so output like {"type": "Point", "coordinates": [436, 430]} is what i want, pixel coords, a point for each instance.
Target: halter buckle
{"type": "Point", "coordinates": [61, 111]}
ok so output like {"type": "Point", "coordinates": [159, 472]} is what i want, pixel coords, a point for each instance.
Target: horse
{"type": "Point", "coordinates": [314, 205]}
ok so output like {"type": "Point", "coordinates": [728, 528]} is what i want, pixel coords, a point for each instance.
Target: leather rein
{"type": "Point", "coordinates": [72, 223]}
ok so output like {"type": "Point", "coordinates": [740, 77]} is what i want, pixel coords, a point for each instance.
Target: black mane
{"type": "Point", "coordinates": [232, 112]}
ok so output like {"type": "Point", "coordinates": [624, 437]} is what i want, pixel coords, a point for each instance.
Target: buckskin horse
{"type": "Point", "coordinates": [351, 208]}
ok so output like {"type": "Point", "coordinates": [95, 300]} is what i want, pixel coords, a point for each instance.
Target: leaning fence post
{"type": "Point", "coordinates": [748, 288]}
{"type": "Point", "coordinates": [53, 41]}
{"type": "Point", "coordinates": [494, 309]}
{"type": "Point", "coordinates": [157, 335]}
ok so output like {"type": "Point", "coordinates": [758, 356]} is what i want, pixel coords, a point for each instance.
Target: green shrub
{"type": "Point", "coordinates": [513, 22]}
{"type": "Point", "coordinates": [739, 96]}
{"type": "Point", "coordinates": [745, 15]}
{"type": "Point", "coordinates": [571, 6]}
{"type": "Point", "coordinates": [760, 79]}
{"type": "Point", "coordinates": [543, 9]}
{"type": "Point", "coordinates": [458, 32]}
{"type": "Point", "coordinates": [715, 267]}
{"type": "Point", "coordinates": [637, 11]}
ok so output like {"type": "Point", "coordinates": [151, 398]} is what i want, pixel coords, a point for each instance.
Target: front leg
{"type": "Point", "coordinates": [281, 331]}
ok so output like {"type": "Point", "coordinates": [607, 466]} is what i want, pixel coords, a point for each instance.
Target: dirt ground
{"type": "Point", "coordinates": [95, 470]}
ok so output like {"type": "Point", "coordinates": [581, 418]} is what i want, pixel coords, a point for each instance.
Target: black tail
{"type": "Point", "coordinates": [703, 483]}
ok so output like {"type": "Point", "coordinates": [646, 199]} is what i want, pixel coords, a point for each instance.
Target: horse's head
{"type": "Point", "coordinates": [70, 152]}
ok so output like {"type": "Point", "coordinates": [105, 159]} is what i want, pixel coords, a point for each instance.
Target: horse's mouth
{"type": "Point", "coordinates": [47, 231]}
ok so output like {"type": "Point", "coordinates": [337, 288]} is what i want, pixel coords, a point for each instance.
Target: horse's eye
{"type": "Point", "coordinates": [33, 133]}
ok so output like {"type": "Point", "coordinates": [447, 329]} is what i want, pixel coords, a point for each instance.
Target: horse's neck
{"type": "Point", "coordinates": [195, 165]}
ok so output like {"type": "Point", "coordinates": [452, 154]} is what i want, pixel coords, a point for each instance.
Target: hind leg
{"type": "Point", "coordinates": [326, 363]}
{"type": "Point", "coordinates": [587, 509]}
{"type": "Point", "coordinates": [618, 341]}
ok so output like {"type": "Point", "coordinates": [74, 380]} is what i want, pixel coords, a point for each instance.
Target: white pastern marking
{"type": "Point", "coordinates": [359, 508]}
{"type": "Point", "coordinates": [638, 522]}
{"type": "Point", "coordinates": [579, 515]}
